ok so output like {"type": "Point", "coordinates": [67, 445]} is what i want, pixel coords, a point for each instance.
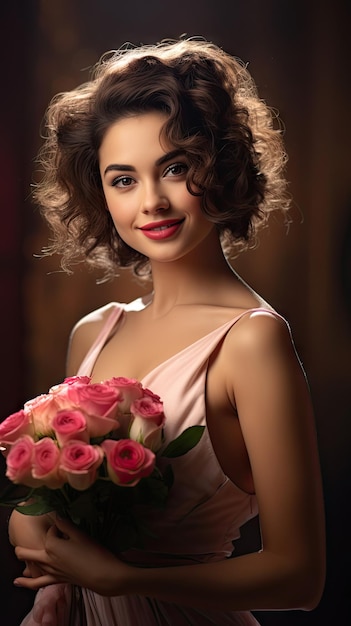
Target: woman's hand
{"type": "Point", "coordinates": [70, 556]}
{"type": "Point", "coordinates": [30, 531]}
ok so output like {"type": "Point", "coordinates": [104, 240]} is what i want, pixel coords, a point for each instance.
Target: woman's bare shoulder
{"type": "Point", "coordinates": [84, 333]}
{"type": "Point", "coordinates": [258, 333]}
{"type": "Point", "coordinates": [94, 319]}
{"type": "Point", "coordinates": [92, 322]}
{"type": "Point", "coordinates": [87, 329]}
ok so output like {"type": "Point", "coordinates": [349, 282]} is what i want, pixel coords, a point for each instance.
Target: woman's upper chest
{"type": "Point", "coordinates": [184, 355]}
{"type": "Point", "coordinates": [140, 343]}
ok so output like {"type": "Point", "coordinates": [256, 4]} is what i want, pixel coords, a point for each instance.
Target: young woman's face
{"type": "Point", "coordinates": [144, 182]}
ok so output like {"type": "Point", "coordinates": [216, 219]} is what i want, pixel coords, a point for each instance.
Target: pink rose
{"type": "Point", "coordinates": [127, 461]}
{"type": "Point", "coordinates": [77, 380]}
{"type": "Point", "coordinates": [70, 425]}
{"type": "Point", "coordinates": [14, 426]}
{"type": "Point", "coordinates": [96, 399]}
{"type": "Point", "coordinates": [42, 410]}
{"type": "Point", "coordinates": [148, 422]}
{"type": "Point", "coordinates": [79, 463]}
{"type": "Point", "coordinates": [45, 463]}
{"type": "Point", "coordinates": [130, 389]}
{"type": "Point", "coordinates": [100, 426]}
{"type": "Point", "coordinates": [151, 394]}
{"type": "Point", "coordinates": [19, 462]}
{"type": "Point", "coordinates": [70, 380]}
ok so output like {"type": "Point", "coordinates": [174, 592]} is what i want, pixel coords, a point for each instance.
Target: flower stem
{"type": "Point", "coordinates": [63, 491]}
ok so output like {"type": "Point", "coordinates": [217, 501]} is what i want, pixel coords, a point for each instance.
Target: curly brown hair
{"type": "Point", "coordinates": [214, 114]}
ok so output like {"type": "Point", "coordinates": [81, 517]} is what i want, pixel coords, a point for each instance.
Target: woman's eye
{"type": "Point", "coordinates": [177, 169]}
{"type": "Point", "coordinates": [122, 181]}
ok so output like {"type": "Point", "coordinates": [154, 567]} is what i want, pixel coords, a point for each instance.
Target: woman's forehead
{"type": "Point", "coordinates": [132, 137]}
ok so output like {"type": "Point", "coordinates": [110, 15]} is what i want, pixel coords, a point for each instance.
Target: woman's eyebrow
{"type": "Point", "coordinates": [121, 168]}
{"type": "Point", "coordinates": [168, 156]}
{"type": "Point", "coordinates": [130, 168]}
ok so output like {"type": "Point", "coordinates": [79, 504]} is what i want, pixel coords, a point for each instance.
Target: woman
{"type": "Point", "coordinates": [166, 161]}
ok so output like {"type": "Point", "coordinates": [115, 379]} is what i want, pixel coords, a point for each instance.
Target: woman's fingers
{"type": "Point", "coordinates": [30, 554]}
{"type": "Point", "coordinates": [28, 570]}
{"type": "Point", "coordinates": [38, 572]}
{"type": "Point", "coordinates": [64, 529]}
{"type": "Point", "coordinates": [35, 583]}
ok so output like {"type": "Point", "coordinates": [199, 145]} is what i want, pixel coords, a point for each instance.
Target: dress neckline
{"type": "Point", "coordinates": [110, 327]}
{"type": "Point", "coordinates": [194, 344]}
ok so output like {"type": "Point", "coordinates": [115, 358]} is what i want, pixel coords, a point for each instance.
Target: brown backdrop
{"type": "Point", "coordinates": [299, 55]}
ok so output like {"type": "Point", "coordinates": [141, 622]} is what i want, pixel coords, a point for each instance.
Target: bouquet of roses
{"type": "Point", "coordinates": [90, 452]}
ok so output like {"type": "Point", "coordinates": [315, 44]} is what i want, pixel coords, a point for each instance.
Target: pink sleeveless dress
{"type": "Point", "coordinates": [205, 509]}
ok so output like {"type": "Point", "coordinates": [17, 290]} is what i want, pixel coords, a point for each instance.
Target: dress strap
{"type": "Point", "coordinates": [86, 367]}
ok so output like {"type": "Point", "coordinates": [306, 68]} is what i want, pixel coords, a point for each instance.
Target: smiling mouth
{"type": "Point", "coordinates": [159, 226]}
{"type": "Point", "coordinates": [162, 230]}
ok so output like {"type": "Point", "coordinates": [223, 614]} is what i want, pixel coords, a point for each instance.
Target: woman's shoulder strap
{"type": "Point", "coordinates": [107, 328]}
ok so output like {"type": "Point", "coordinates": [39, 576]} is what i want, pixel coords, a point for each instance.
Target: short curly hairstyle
{"type": "Point", "coordinates": [214, 115]}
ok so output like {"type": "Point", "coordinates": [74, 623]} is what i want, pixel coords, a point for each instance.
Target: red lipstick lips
{"type": "Point", "coordinates": [162, 229]}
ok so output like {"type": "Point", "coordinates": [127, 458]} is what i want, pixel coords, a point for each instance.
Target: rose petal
{"type": "Point", "coordinates": [127, 461]}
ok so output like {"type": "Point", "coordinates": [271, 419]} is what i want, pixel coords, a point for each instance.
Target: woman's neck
{"type": "Point", "coordinates": [194, 279]}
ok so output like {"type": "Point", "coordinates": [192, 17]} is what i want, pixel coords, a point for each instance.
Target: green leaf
{"type": "Point", "coordinates": [185, 442]}
{"type": "Point", "coordinates": [13, 495]}
{"type": "Point", "coordinates": [37, 508]}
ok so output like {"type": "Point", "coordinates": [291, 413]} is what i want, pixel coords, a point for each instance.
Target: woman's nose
{"type": "Point", "coordinates": [153, 200]}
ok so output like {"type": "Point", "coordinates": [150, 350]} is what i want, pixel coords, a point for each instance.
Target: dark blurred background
{"type": "Point", "coordinates": [299, 55]}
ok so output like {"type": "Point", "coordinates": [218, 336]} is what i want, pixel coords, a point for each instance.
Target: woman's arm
{"type": "Point", "coordinates": [29, 531]}
{"type": "Point", "coordinates": [266, 384]}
